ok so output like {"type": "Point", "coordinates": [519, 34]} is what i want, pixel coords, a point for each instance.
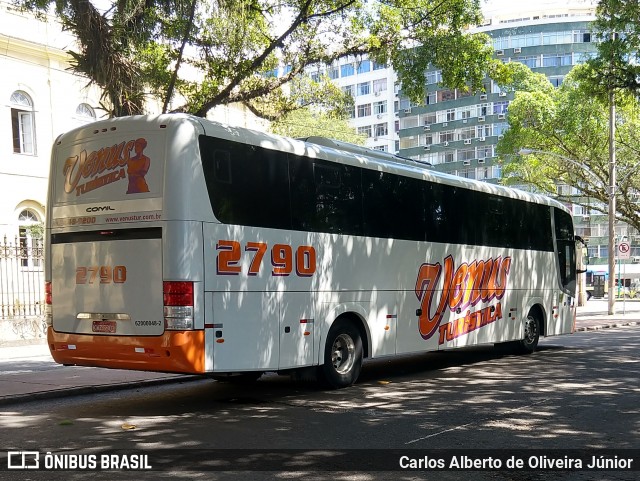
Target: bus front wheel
{"type": "Point", "coordinates": [342, 355]}
{"type": "Point", "coordinates": [531, 335]}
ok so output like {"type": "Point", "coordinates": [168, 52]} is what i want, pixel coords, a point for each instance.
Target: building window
{"type": "Point", "coordinates": [466, 133]}
{"type": "Point", "coordinates": [380, 107]}
{"type": "Point", "coordinates": [581, 36]}
{"type": "Point", "coordinates": [409, 142]}
{"type": "Point", "coordinates": [334, 73]}
{"type": "Point", "coordinates": [379, 85]}
{"type": "Point", "coordinates": [366, 131]}
{"type": "Point", "coordinates": [364, 88]}
{"type": "Point", "coordinates": [447, 136]}
{"type": "Point", "coordinates": [429, 118]}
{"type": "Point", "coordinates": [364, 110]}
{"type": "Point", "coordinates": [30, 233]}
{"type": "Point", "coordinates": [485, 152]}
{"type": "Point", "coordinates": [380, 130]}
{"type": "Point", "coordinates": [85, 113]}
{"type": "Point", "coordinates": [349, 89]}
{"type": "Point", "coordinates": [468, 173]}
{"type": "Point", "coordinates": [378, 66]}
{"type": "Point", "coordinates": [364, 66]}
{"type": "Point", "coordinates": [433, 77]}
{"type": "Point", "coordinates": [531, 61]}
{"type": "Point", "coordinates": [556, 60]}
{"type": "Point", "coordinates": [500, 128]}
{"type": "Point", "coordinates": [346, 70]}
{"type": "Point", "coordinates": [22, 123]}
{"type": "Point", "coordinates": [466, 154]}
{"type": "Point", "coordinates": [556, 81]}
{"type": "Point", "coordinates": [446, 95]}
{"type": "Point", "coordinates": [483, 131]}
{"type": "Point", "coordinates": [463, 113]}
{"type": "Point", "coordinates": [500, 107]}
{"type": "Point", "coordinates": [351, 112]}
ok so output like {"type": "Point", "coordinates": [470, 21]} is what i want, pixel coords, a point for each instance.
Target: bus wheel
{"type": "Point", "coordinates": [531, 335]}
{"type": "Point", "coordinates": [342, 355]}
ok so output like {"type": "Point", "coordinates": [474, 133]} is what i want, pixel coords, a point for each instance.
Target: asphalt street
{"type": "Point", "coordinates": [579, 391]}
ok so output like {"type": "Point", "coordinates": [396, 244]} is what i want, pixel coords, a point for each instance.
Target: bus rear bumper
{"type": "Point", "coordinates": [174, 351]}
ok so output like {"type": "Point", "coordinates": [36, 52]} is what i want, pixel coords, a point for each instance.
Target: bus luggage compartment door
{"type": "Point", "coordinates": [246, 331]}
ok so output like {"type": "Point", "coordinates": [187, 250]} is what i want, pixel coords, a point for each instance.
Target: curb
{"type": "Point", "coordinates": [93, 389]}
{"type": "Point", "coordinates": [607, 326]}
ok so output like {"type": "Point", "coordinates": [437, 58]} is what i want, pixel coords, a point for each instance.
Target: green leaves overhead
{"type": "Point", "coordinates": [194, 55]}
{"type": "Point", "coordinates": [308, 122]}
{"type": "Point", "coordinates": [616, 66]}
{"type": "Point", "coordinates": [567, 130]}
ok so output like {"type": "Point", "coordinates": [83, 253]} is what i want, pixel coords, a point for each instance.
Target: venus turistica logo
{"type": "Point", "coordinates": [88, 171]}
{"type": "Point", "coordinates": [480, 281]}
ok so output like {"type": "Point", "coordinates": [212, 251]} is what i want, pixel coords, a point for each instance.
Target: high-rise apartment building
{"type": "Point", "coordinates": [375, 99]}
{"type": "Point", "coordinates": [457, 131]}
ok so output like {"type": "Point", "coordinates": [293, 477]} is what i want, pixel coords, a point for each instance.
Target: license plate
{"type": "Point", "coordinates": [107, 327]}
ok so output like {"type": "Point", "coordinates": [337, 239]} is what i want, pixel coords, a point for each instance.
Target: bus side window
{"type": "Point", "coordinates": [393, 206]}
{"type": "Point", "coordinates": [325, 197]}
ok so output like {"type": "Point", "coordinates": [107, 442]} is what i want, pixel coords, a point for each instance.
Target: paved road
{"type": "Point", "coordinates": [579, 391]}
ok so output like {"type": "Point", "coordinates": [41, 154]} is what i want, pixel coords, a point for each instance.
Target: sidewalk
{"type": "Point", "coordinates": [28, 372]}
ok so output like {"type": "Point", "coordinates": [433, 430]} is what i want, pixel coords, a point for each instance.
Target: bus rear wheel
{"type": "Point", "coordinates": [531, 335]}
{"type": "Point", "coordinates": [342, 355]}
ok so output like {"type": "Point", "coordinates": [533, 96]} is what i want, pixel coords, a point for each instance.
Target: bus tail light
{"type": "Point", "coordinates": [178, 305]}
{"type": "Point", "coordinates": [48, 297]}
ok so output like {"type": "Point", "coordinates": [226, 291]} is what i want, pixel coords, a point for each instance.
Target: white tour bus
{"type": "Point", "coordinates": [183, 245]}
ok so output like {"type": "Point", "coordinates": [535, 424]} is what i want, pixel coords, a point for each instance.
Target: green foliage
{"type": "Point", "coordinates": [36, 231]}
{"type": "Point", "coordinates": [568, 127]}
{"type": "Point", "coordinates": [616, 66]}
{"type": "Point", "coordinates": [195, 55]}
{"type": "Point", "coordinates": [311, 122]}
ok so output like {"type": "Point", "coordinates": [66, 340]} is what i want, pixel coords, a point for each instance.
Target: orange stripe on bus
{"type": "Point", "coordinates": [173, 351]}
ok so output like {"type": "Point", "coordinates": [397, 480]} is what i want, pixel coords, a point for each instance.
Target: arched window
{"type": "Point", "coordinates": [22, 123]}
{"type": "Point", "coordinates": [30, 231]}
{"type": "Point", "coordinates": [85, 113]}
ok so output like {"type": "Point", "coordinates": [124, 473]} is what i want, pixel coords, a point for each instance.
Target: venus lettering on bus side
{"type": "Point", "coordinates": [284, 261]}
{"type": "Point", "coordinates": [469, 284]}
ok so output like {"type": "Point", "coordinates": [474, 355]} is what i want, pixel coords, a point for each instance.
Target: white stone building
{"type": "Point", "coordinates": [40, 98]}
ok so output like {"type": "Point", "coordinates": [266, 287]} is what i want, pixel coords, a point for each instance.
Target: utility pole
{"type": "Point", "coordinates": [611, 296]}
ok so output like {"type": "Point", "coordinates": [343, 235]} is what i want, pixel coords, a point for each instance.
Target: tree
{"type": "Point", "coordinates": [195, 55]}
{"type": "Point", "coordinates": [616, 66]}
{"type": "Point", "coordinates": [567, 131]}
{"type": "Point", "coordinates": [311, 122]}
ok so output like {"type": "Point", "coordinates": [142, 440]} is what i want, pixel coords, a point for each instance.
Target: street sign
{"type": "Point", "coordinates": [624, 250]}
